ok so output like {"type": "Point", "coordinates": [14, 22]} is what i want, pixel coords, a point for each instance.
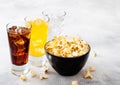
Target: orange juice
{"type": "Point", "coordinates": [39, 33]}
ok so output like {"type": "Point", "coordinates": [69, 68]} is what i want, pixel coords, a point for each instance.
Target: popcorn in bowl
{"type": "Point", "coordinates": [67, 46]}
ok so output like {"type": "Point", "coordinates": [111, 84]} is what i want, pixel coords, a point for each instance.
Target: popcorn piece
{"type": "Point", "coordinates": [74, 54]}
{"type": "Point", "coordinates": [75, 83]}
{"type": "Point", "coordinates": [45, 67]}
{"type": "Point", "coordinates": [88, 75]}
{"type": "Point", "coordinates": [13, 71]}
{"type": "Point", "coordinates": [55, 37]}
{"type": "Point", "coordinates": [23, 77]}
{"type": "Point", "coordinates": [92, 69]}
{"type": "Point", "coordinates": [45, 70]}
{"type": "Point", "coordinates": [33, 73]}
{"type": "Point", "coordinates": [43, 77]}
{"type": "Point", "coordinates": [94, 54]}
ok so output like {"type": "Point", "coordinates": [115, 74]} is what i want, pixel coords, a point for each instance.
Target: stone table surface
{"type": "Point", "coordinates": [96, 21]}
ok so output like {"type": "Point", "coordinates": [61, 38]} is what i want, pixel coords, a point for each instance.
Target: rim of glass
{"type": "Point", "coordinates": [43, 17]}
{"type": "Point", "coordinates": [9, 25]}
{"type": "Point", "coordinates": [56, 13]}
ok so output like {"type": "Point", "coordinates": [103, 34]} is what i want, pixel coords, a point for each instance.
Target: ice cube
{"type": "Point", "coordinates": [20, 42]}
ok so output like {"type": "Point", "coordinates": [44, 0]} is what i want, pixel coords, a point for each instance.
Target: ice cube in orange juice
{"type": "Point", "coordinates": [39, 33]}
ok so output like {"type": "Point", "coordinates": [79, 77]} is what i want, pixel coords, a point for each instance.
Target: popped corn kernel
{"type": "Point", "coordinates": [88, 75]}
{"type": "Point", "coordinates": [45, 67]}
{"type": "Point", "coordinates": [75, 83]}
{"type": "Point", "coordinates": [23, 77]}
{"type": "Point", "coordinates": [74, 54]}
{"type": "Point", "coordinates": [45, 70]}
{"type": "Point", "coordinates": [92, 69]}
{"type": "Point", "coordinates": [33, 73]}
{"type": "Point", "coordinates": [43, 77]}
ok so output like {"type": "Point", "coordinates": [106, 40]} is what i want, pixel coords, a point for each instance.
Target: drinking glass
{"type": "Point", "coordinates": [56, 22]}
{"type": "Point", "coordinates": [39, 34]}
{"type": "Point", "coordinates": [18, 39]}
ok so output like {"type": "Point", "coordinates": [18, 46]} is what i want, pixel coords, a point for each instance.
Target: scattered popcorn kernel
{"type": "Point", "coordinates": [94, 54]}
{"type": "Point", "coordinates": [33, 73]}
{"type": "Point", "coordinates": [45, 70]}
{"type": "Point", "coordinates": [13, 72]}
{"type": "Point", "coordinates": [92, 69]}
{"type": "Point", "coordinates": [23, 77]}
{"type": "Point", "coordinates": [75, 83]}
{"type": "Point", "coordinates": [45, 67]}
{"type": "Point", "coordinates": [43, 77]}
{"type": "Point", "coordinates": [88, 75]}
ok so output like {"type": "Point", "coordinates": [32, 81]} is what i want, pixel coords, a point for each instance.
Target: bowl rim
{"type": "Point", "coordinates": [65, 57]}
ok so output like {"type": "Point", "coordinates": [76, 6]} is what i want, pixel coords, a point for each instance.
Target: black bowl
{"type": "Point", "coordinates": [67, 66]}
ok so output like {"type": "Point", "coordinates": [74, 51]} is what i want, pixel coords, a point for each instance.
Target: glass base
{"type": "Point", "coordinates": [19, 70]}
{"type": "Point", "coordinates": [36, 61]}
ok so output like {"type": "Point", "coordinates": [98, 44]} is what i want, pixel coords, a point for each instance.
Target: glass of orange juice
{"type": "Point", "coordinates": [39, 35]}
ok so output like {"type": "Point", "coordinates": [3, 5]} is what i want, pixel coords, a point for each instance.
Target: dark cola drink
{"type": "Point", "coordinates": [19, 38]}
